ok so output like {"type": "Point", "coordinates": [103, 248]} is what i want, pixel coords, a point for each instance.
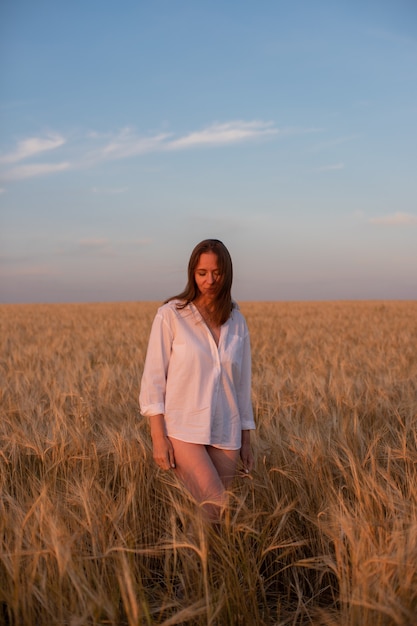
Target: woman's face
{"type": "Point", "coordinates": [207, 275]}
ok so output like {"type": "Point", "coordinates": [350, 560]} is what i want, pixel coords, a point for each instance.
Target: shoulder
{"type": "Point", "coordinates": [237, 319]}
{"type": "Point", "coordinates": [168, 318]}
{"type": "Point", "coordinates": [236, 312]}
{"type": "Point", "coordinates": [172, 310]}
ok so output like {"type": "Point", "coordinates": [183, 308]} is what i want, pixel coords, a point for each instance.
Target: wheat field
{"type": "Point", "coordinates": [323, 532]}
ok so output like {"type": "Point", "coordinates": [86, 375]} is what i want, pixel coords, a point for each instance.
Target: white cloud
{"type": "Point", "coordinates": [2, 190]}
{"type": "Point", "coordinates": [221, 134]}
{"type": "Point", "coordinates": [36, 169]}
{"type": "Point", "coordinates": [127, 143]}
{"type": "Point", "coordinates": [32, 146]}
{"type": "Point", "coordinates": [395, 219]}
{"type": "Point", "coordinates": [330, 168]}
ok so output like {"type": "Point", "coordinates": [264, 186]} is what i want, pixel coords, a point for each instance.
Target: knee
{"type": "Point", "coordinates": [213, 509]}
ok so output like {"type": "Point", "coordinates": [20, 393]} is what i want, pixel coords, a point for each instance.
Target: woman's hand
{"type": "Point", "coordinates": [163, 452]}
{"type": "Point", "coordinates": [246, 452]}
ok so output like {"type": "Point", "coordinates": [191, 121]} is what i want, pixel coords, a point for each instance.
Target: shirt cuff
{"type": "Point", "coordinates": [248, 424]}
{"type": "Point", "coordinates": [152, 409]}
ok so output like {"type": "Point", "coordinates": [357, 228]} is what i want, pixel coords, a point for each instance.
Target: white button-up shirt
{"type": "Point", "coordinates": [203, 390]}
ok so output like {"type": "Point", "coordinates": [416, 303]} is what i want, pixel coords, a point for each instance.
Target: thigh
{"type": "Point", "coordinates": [195, 468]}
{"type": "Point", "coordinates": [225, 462]}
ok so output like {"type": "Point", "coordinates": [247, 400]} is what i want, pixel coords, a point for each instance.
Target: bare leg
{"type": "Point", "coordinates": [225, 462]}
{"type": "Point", "coordinates": [206, 472]}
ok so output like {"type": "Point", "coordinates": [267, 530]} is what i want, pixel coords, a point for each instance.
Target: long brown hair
{"type": "Point", "coordinates": [223, 304]}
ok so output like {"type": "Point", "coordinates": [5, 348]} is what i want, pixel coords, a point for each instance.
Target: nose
{"type": "Point", "coordinates": [211, 278]}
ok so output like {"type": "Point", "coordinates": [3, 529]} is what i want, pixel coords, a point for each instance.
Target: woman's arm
{"type": "Point", "coordinates": [243, 387]}
{"type": "Point", "coordinates": [246, 452]}
{"type": "Point", "coordinates": [152, 391]}
{"type": "Point", "coordinates": [163, 452]}
{"type": "Point", "coordinates": [153, 383]}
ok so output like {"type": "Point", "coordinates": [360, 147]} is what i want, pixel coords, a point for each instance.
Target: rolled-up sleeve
{"type": "Point", "coordinates": [244, 396]}
{"type": "Point", "coordinates": [153, 384]}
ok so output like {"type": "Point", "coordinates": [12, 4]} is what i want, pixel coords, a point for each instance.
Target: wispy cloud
{"type": "Point", "coordinates": [35, 169]}
{"type": "Point", "coordinates": [331, 168]}
{"type": "Point", "coordinates": [127, 143]}
{"type": "Point", "coordinates": [31, 147]}
{"type": "Point", "coordinates": [395, 219]}
{"type": "Point", "coordinates": [222, 134]}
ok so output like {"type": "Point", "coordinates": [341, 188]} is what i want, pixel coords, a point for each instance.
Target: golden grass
{"type": "Point", "coordinates": [323, 532]}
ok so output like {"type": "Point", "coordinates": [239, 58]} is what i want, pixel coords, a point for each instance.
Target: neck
{"type": "Point", "coordinates": [204, 302]}
{"type": "Point", "coordinates": [206, 311]}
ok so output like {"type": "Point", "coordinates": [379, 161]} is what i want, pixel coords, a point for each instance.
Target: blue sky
{"type": "Point", "coordinates": [132, 130]}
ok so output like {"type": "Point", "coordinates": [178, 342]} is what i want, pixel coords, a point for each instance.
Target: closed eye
{"type": "Point", "coordinates": [215, 274]}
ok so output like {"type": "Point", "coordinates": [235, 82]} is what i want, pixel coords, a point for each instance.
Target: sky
{"type": "Point", "coordinates": [130, 131]}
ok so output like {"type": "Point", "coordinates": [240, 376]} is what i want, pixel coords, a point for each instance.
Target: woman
{"type": "Point", "coordinates": [196, 384]}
